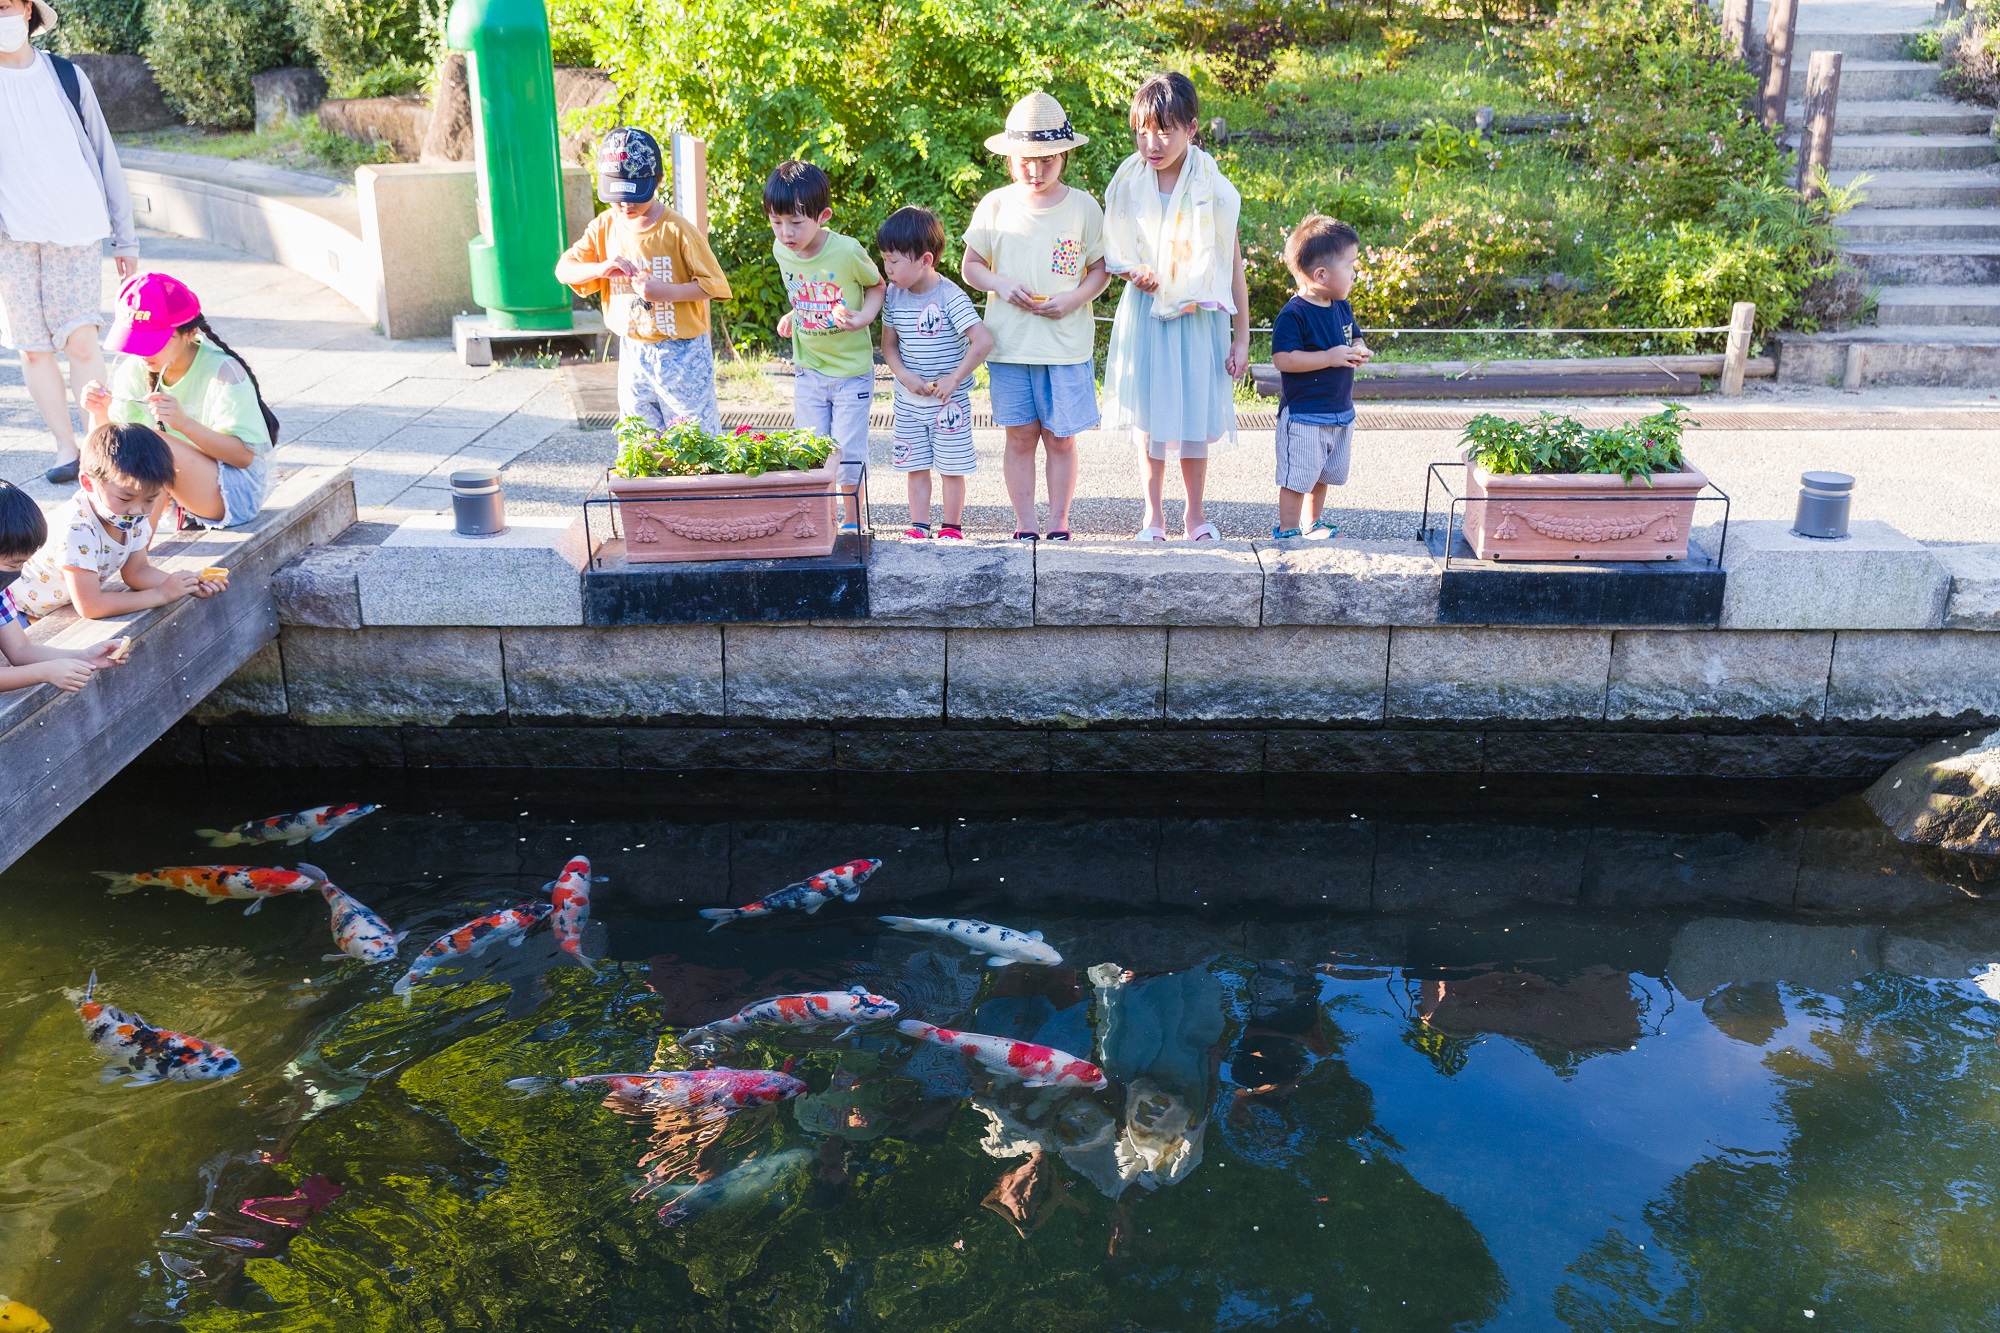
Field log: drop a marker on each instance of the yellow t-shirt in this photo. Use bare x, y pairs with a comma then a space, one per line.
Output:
671, 250
1049, 249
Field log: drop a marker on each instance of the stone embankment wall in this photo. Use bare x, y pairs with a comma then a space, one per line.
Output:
1830, 659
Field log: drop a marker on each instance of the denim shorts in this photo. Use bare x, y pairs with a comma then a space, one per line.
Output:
1062, 399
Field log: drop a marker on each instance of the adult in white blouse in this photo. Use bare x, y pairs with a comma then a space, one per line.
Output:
61, 193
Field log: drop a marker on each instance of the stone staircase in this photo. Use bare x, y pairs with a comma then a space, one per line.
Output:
1927, 236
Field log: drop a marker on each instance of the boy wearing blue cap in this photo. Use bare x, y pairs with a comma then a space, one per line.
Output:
656, 275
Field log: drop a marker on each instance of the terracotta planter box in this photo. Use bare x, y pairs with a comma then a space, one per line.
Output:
1579, 516
729, 517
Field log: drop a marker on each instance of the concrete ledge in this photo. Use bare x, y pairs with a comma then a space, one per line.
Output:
320, 588
1349, 583
1295, 674
820, 673
1669, 675
387, 677
1952, 676
426, 574
1517, 674
952, 585
1876, 579
1133, 583
665, 672
1975, 586
1057, 677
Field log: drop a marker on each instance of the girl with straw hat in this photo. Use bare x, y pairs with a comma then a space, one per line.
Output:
1037, 248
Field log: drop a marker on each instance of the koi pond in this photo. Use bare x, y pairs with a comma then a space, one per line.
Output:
1375, 1054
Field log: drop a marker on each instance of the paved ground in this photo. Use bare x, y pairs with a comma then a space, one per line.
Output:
404, 414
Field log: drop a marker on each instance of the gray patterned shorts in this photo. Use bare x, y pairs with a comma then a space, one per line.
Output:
48, 292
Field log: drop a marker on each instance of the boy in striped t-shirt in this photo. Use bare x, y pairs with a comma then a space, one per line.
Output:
932, 340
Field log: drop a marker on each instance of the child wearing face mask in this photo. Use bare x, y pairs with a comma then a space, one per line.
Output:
24, 663
1181, 337
101, 535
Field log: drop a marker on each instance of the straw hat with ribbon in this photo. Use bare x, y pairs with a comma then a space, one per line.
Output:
1036, 127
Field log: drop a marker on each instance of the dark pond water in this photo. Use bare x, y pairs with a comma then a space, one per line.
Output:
1383, 1055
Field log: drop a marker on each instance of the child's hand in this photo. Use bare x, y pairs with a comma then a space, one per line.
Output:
206, 588
1238, 359
618, 266
177, 584
1055, 307
843, 318
946, 387
96, 399
1345, 358
68, 674
1366, 352
785, 325
108, 653
1144, 279
642, 287
1018, 294
167, 410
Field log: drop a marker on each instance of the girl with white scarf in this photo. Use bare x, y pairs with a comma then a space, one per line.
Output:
1181, 337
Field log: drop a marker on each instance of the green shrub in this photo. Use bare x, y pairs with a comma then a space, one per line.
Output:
894, 101
204, 53
109, 27
1454, 268
684, 449
353, 39
1926, 44
397, 76
1552, 443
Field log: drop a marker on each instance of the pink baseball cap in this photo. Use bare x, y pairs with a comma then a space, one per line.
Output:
151, 306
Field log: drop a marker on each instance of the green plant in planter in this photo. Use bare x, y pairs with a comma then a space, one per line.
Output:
1552, 443
684, 449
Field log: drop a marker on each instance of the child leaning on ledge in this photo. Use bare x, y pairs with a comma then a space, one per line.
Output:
932, 340
102, 534
656, 276
23, 530
1316, 345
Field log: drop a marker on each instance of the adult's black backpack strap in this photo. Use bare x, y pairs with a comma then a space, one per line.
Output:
72, 85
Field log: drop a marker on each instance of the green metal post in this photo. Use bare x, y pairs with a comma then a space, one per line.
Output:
517, 161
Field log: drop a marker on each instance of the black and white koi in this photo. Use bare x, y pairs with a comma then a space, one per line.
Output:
357, 932
1003, 946
808, 895
314, 825
142, 1054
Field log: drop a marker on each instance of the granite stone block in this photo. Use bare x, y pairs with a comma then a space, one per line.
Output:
651, 672
1594, 752
1952, 675
806, 749
1303, 863
1372, 752
319, 588
1874, 579
255, 691
952, 585
1349, 583
1506, 675
1131, 583
826, 673
1052, 676
1685, 675
942, 749
391, 677
1156, 751
426, 574
1974, 602
1287, 673
1863, 757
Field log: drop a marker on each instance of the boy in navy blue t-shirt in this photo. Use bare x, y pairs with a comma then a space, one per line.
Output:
1316, 346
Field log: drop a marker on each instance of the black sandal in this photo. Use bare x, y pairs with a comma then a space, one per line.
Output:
1060, 535
1027, 536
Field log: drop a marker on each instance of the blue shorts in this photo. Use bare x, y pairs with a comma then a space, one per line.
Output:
1062, 399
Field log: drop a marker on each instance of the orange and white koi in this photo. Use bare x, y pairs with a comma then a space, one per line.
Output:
679, 1089
808, 895
510, 925
357, 932
217, 883
314, 825
571, 893
1020, 1062
142, 1054
846, 1009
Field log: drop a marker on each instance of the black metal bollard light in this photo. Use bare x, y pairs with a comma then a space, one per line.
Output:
477, 507
1824, 499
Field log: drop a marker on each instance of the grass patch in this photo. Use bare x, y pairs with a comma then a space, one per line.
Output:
296, 147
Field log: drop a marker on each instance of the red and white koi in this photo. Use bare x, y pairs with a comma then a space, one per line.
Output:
1004, 947
679, 1089
314, 825
142, 1054
1020, 1062
846, 1009
571, 893
357, 932
510, 926
217, 883
808, 895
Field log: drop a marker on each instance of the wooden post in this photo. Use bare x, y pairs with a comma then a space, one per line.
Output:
1780, 30
1736, 27
1736, 356
1816, 135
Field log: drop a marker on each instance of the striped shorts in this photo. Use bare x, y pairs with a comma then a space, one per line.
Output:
935, 436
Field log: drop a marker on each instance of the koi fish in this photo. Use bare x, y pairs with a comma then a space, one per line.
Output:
824, 1008
217, 883
572, 908
18, 1318
472, 939
142, 1054
679, 1089
754, 1179
314, 825
1005, 946
357, 932
1020, 1062
808, 895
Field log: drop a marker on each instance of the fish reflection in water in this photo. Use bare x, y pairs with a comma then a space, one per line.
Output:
759, 1178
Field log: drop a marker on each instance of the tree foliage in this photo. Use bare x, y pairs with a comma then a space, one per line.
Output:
204, 53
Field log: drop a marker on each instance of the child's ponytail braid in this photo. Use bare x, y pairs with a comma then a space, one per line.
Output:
208, 333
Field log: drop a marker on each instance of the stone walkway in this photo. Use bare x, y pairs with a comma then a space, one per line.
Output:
405, 414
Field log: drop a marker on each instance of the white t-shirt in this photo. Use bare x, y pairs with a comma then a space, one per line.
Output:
76, 541
48, 192
1050, 249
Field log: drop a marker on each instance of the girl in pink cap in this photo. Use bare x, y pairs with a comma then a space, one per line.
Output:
178, 376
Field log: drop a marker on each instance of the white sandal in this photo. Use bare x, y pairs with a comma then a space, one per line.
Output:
1150, 535
1205, 533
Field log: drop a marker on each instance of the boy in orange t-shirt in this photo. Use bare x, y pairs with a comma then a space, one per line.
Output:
656, 275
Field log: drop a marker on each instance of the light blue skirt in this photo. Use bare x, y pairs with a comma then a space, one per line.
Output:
1167, 379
